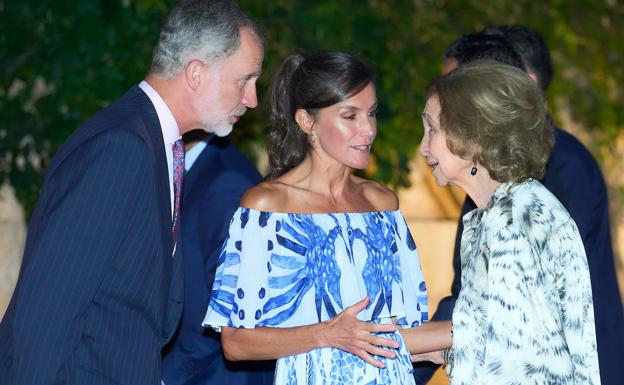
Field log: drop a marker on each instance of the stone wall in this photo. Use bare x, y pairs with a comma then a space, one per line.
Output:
12, 236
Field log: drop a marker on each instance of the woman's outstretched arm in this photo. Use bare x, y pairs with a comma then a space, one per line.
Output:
344, 332
430, 337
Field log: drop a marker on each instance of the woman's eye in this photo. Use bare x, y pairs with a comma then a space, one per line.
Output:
350, 117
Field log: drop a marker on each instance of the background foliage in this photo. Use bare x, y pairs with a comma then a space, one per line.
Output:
63, 60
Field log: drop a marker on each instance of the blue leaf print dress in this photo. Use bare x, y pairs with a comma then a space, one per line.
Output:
286, 270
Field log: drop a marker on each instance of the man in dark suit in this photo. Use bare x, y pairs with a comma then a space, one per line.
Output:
574, 177
217, 178
100, 288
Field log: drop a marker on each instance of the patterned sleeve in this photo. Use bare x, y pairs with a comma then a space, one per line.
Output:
577, 310
241, 278
413, 282
524, 330
509, 261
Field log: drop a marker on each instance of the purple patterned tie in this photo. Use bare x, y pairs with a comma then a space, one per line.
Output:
178, 176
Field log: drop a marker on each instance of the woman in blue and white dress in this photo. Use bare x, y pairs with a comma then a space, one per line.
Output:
319, 269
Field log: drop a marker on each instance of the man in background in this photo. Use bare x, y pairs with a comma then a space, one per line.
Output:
572, 175
217, 176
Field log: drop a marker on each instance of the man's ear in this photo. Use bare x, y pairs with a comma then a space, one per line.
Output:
193, 74
304, 120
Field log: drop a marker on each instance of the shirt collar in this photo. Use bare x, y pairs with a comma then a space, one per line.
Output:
501, 191
473, 218
168, 124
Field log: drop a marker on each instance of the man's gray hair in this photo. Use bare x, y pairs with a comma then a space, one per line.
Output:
205, 30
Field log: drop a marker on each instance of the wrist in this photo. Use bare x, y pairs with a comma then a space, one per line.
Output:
318, 334
447, 356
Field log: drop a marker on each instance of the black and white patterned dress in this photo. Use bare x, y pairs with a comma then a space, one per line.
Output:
525, 313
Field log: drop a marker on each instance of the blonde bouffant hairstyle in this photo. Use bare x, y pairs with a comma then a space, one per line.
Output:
496, 115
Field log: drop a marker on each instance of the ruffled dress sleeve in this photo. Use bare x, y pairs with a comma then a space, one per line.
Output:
284, 270
240, 284
414, 289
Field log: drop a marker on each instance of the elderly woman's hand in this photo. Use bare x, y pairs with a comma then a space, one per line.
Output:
435, 357
348, 333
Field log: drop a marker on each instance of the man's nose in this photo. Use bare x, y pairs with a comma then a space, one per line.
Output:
250, 98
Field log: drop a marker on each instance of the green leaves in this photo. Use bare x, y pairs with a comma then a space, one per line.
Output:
64, 60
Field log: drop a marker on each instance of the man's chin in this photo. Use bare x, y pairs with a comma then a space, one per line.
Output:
225, 131
220, 131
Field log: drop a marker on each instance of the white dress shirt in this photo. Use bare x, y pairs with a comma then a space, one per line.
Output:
169, 127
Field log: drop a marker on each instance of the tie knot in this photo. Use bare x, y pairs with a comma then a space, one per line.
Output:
178, 154
178, 146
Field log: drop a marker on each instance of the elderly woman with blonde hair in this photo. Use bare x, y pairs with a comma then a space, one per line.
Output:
524, 314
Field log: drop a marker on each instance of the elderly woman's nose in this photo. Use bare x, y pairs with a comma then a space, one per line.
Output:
424, 145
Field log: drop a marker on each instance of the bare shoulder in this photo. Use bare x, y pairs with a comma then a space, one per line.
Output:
382, 198
266, 196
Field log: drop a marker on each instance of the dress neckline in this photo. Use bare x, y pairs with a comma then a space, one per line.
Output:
397, 211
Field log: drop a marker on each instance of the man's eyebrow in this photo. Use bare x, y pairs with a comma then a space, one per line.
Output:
254, 74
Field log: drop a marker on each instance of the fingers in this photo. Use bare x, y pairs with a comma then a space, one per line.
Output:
420, 357
417, 357
380, 328
368, 358
352, 335
380, 341
378, 351
434, 357
367, 354
358, 306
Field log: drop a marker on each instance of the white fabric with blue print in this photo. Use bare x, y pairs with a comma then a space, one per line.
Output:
285, 270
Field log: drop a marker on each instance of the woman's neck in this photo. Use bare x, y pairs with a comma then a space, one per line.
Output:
332, 180
480, 187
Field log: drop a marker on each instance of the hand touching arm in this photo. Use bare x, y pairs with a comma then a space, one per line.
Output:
344, 332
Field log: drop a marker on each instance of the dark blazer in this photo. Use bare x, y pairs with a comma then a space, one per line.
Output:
99, 293
573, 176
212, 191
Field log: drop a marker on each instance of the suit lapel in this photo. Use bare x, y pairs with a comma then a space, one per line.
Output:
172, 287
150, 118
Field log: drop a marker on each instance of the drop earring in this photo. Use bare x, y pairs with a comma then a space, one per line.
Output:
312, 138
473, 170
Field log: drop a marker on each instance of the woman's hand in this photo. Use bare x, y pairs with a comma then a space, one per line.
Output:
348, 333
435, 357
